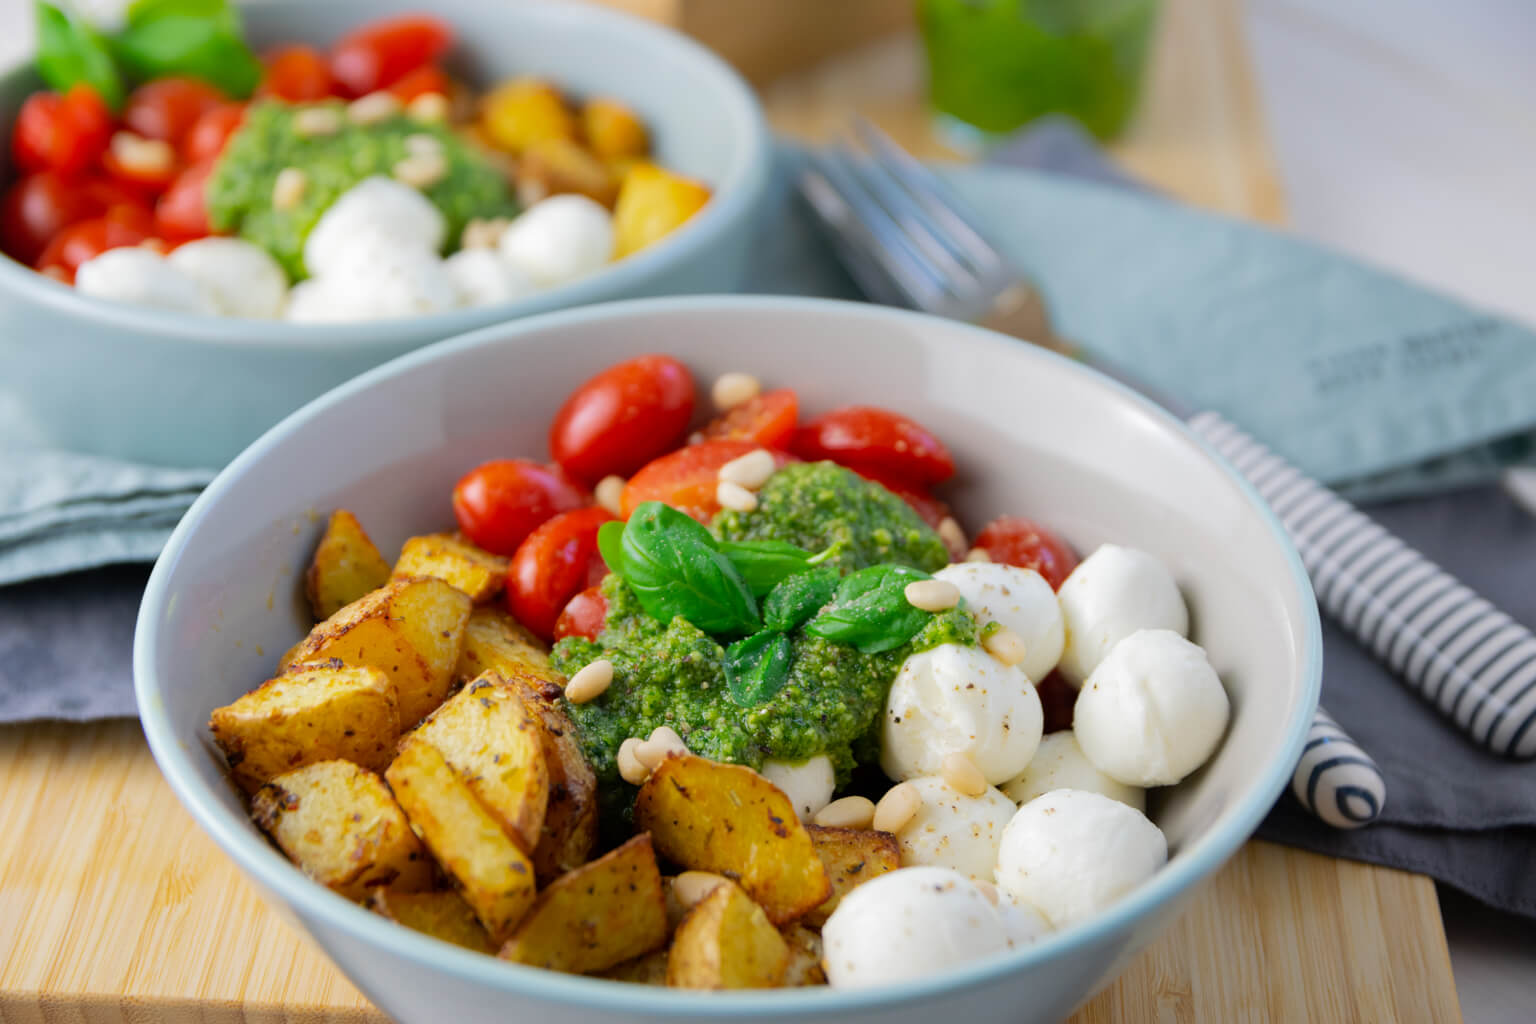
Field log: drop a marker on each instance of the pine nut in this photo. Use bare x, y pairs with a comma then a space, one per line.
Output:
428, 107
420, 143
1004, 644
988, 890
630, 768
690, 887
373, 108
609, 493
735, 497
899, 806
421, 170
142, 157
483, 232
590, 682
663, 741
961, 775
732, 389
288, 188
978, 555
952, 535
751, 470
849, 812
313, 121
932, 595
55, 272
158, 246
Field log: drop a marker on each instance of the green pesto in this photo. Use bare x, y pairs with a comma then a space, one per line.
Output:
816, 504
240, 190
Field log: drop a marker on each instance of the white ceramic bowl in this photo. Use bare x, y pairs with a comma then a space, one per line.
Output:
1033, 434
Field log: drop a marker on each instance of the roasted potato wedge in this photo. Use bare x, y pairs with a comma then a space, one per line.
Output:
853, 856
493, 874
597, 916
346, 566
441, 914
727, 941
493, 640
652, 204
319, 712
570, 820
552, 167
650, 969
496, 745
613, 130
341, 826
455, 561
804, 957
411, 629
729, 819
523, 111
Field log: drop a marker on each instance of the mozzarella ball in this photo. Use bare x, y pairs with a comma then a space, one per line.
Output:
484, 278
808, 784
907, 924
1113, 593
243, 279
1019, 599
1061, 764
1070, 854
374, 277
310, 302
378, 206
954, 699
144, 278
1153, 711
956, 831
1022, 923
559, 240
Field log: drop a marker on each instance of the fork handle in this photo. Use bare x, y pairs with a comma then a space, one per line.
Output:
1474, 664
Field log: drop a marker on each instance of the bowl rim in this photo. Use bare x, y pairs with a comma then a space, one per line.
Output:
273, 872
733, 200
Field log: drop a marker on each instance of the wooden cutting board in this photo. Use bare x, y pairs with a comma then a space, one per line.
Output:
115, 907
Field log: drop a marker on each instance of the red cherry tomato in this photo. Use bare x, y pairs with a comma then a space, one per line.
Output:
555, 562
863, 437
1015, 541
208, 135
167, 108
296, 74
687, 478
930, 509
382, 52
623, 418
768, 419
425, 79
64, 133
39, 206
119, 226
1057, 699
181, 214
584, 615
498, 504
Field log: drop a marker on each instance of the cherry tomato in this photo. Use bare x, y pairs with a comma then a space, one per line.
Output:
498, 504
768, 419
687, 478
554, 563
930, 509
181, 214
583, 615
863, 437
167, 108
623, 418
425, 79
39, 206
64, 133
1015, 541
119, 226
296, 74
1057, 699
208, 135
382, 52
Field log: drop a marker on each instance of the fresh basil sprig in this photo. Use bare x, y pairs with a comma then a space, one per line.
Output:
764, 564
757, 668
870, 611
798, 597
200, 38
70, 52
674, 567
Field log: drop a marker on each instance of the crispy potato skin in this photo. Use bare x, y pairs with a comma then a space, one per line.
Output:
494, 641
650, 969
597, 916
494, 876
346, 566
570, 820
441, 914
319, 712
613, 130
555, 166
730, 820
853, 856
455, 561
804, 957
339, 823
411, 629
726, 942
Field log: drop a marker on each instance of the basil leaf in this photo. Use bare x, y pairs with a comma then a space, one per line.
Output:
870, 610
610, 544
764, 563
758, 667
671, 563
71, 52
799, 597
200, 38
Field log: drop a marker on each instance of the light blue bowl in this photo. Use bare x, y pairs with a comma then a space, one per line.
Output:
1034, 435
181, 390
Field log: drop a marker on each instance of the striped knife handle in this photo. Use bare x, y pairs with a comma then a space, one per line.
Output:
1470, 661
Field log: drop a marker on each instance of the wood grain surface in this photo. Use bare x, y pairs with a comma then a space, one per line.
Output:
115, 907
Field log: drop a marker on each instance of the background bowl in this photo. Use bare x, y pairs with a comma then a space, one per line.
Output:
176, 389
1033, 434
